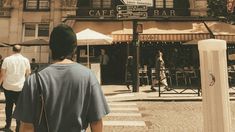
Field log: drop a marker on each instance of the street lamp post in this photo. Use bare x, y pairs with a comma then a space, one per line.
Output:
135, 43
134, 12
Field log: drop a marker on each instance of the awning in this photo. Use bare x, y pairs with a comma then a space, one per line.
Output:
121, 31
222, 31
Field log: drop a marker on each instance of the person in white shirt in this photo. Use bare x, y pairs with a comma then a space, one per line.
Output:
13, 72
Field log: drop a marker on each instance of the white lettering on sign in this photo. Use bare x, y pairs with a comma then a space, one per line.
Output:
139, 2
98, 13
164, 13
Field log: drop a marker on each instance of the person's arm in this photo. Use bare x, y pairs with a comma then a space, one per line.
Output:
27, 73
26, 127
28, 70
2, 75
97, 126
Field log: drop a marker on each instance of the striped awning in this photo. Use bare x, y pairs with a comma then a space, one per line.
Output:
160, 37
121, 31
228, 38
165, 31
222, 31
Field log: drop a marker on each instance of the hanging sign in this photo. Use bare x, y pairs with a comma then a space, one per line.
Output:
138, 2
132, 12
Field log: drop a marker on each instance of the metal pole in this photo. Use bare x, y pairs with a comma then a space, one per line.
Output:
159, 75
40, 53
135, 44
88, 56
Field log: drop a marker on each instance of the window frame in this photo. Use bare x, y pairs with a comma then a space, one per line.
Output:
38, 6
164, 4
36, 30
98, 6
43, 26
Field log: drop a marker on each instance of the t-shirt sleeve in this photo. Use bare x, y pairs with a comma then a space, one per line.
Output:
25, 106
98, 106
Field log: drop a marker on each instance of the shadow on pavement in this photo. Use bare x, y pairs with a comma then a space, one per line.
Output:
118, 92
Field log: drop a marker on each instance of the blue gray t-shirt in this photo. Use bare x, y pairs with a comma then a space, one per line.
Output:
72, 94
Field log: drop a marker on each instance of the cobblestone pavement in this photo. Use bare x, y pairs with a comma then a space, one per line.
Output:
170, 113
146, 112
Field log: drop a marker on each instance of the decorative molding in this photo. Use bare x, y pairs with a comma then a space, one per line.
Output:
7, 3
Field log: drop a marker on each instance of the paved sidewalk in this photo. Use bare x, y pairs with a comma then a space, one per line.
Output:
146, 94
145, 111
168, 113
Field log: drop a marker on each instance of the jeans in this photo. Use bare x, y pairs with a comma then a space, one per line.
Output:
11, 98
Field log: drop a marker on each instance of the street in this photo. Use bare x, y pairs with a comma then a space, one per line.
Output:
132, 113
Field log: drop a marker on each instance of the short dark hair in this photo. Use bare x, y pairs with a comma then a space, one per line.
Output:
33, 60
63, 42
16, 48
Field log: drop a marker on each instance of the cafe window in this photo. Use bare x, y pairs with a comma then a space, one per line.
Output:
37, 4
43, 30
106, 3
95, 3
30, 30
36, 30
101, 3
164, 3
181, 4
84, 3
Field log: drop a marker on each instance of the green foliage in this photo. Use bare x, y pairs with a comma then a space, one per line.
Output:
217, 8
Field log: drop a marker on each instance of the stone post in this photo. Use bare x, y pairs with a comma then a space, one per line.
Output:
214, 80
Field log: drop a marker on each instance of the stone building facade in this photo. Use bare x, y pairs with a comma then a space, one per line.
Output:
22, 20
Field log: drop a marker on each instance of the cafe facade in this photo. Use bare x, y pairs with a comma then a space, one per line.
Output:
168, 25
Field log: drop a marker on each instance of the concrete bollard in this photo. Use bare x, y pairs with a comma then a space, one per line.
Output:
214, 80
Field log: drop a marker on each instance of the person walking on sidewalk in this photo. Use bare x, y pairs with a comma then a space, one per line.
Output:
73, 97
13, 72
129, 71
104, 61
160, 73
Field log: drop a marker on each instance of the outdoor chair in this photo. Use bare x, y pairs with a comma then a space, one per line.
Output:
180, 76
143, 75
191, 76
153, 74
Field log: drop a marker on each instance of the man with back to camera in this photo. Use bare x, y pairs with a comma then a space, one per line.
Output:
13, 72
72, 94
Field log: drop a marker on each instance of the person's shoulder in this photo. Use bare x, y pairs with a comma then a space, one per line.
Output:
31, 78
25, 58
81, 68
7, 58
73, 66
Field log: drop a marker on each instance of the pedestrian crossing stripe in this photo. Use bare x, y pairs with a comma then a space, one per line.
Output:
124, 109
124, 123
125, 114
2, 115
3, 123
122, 104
